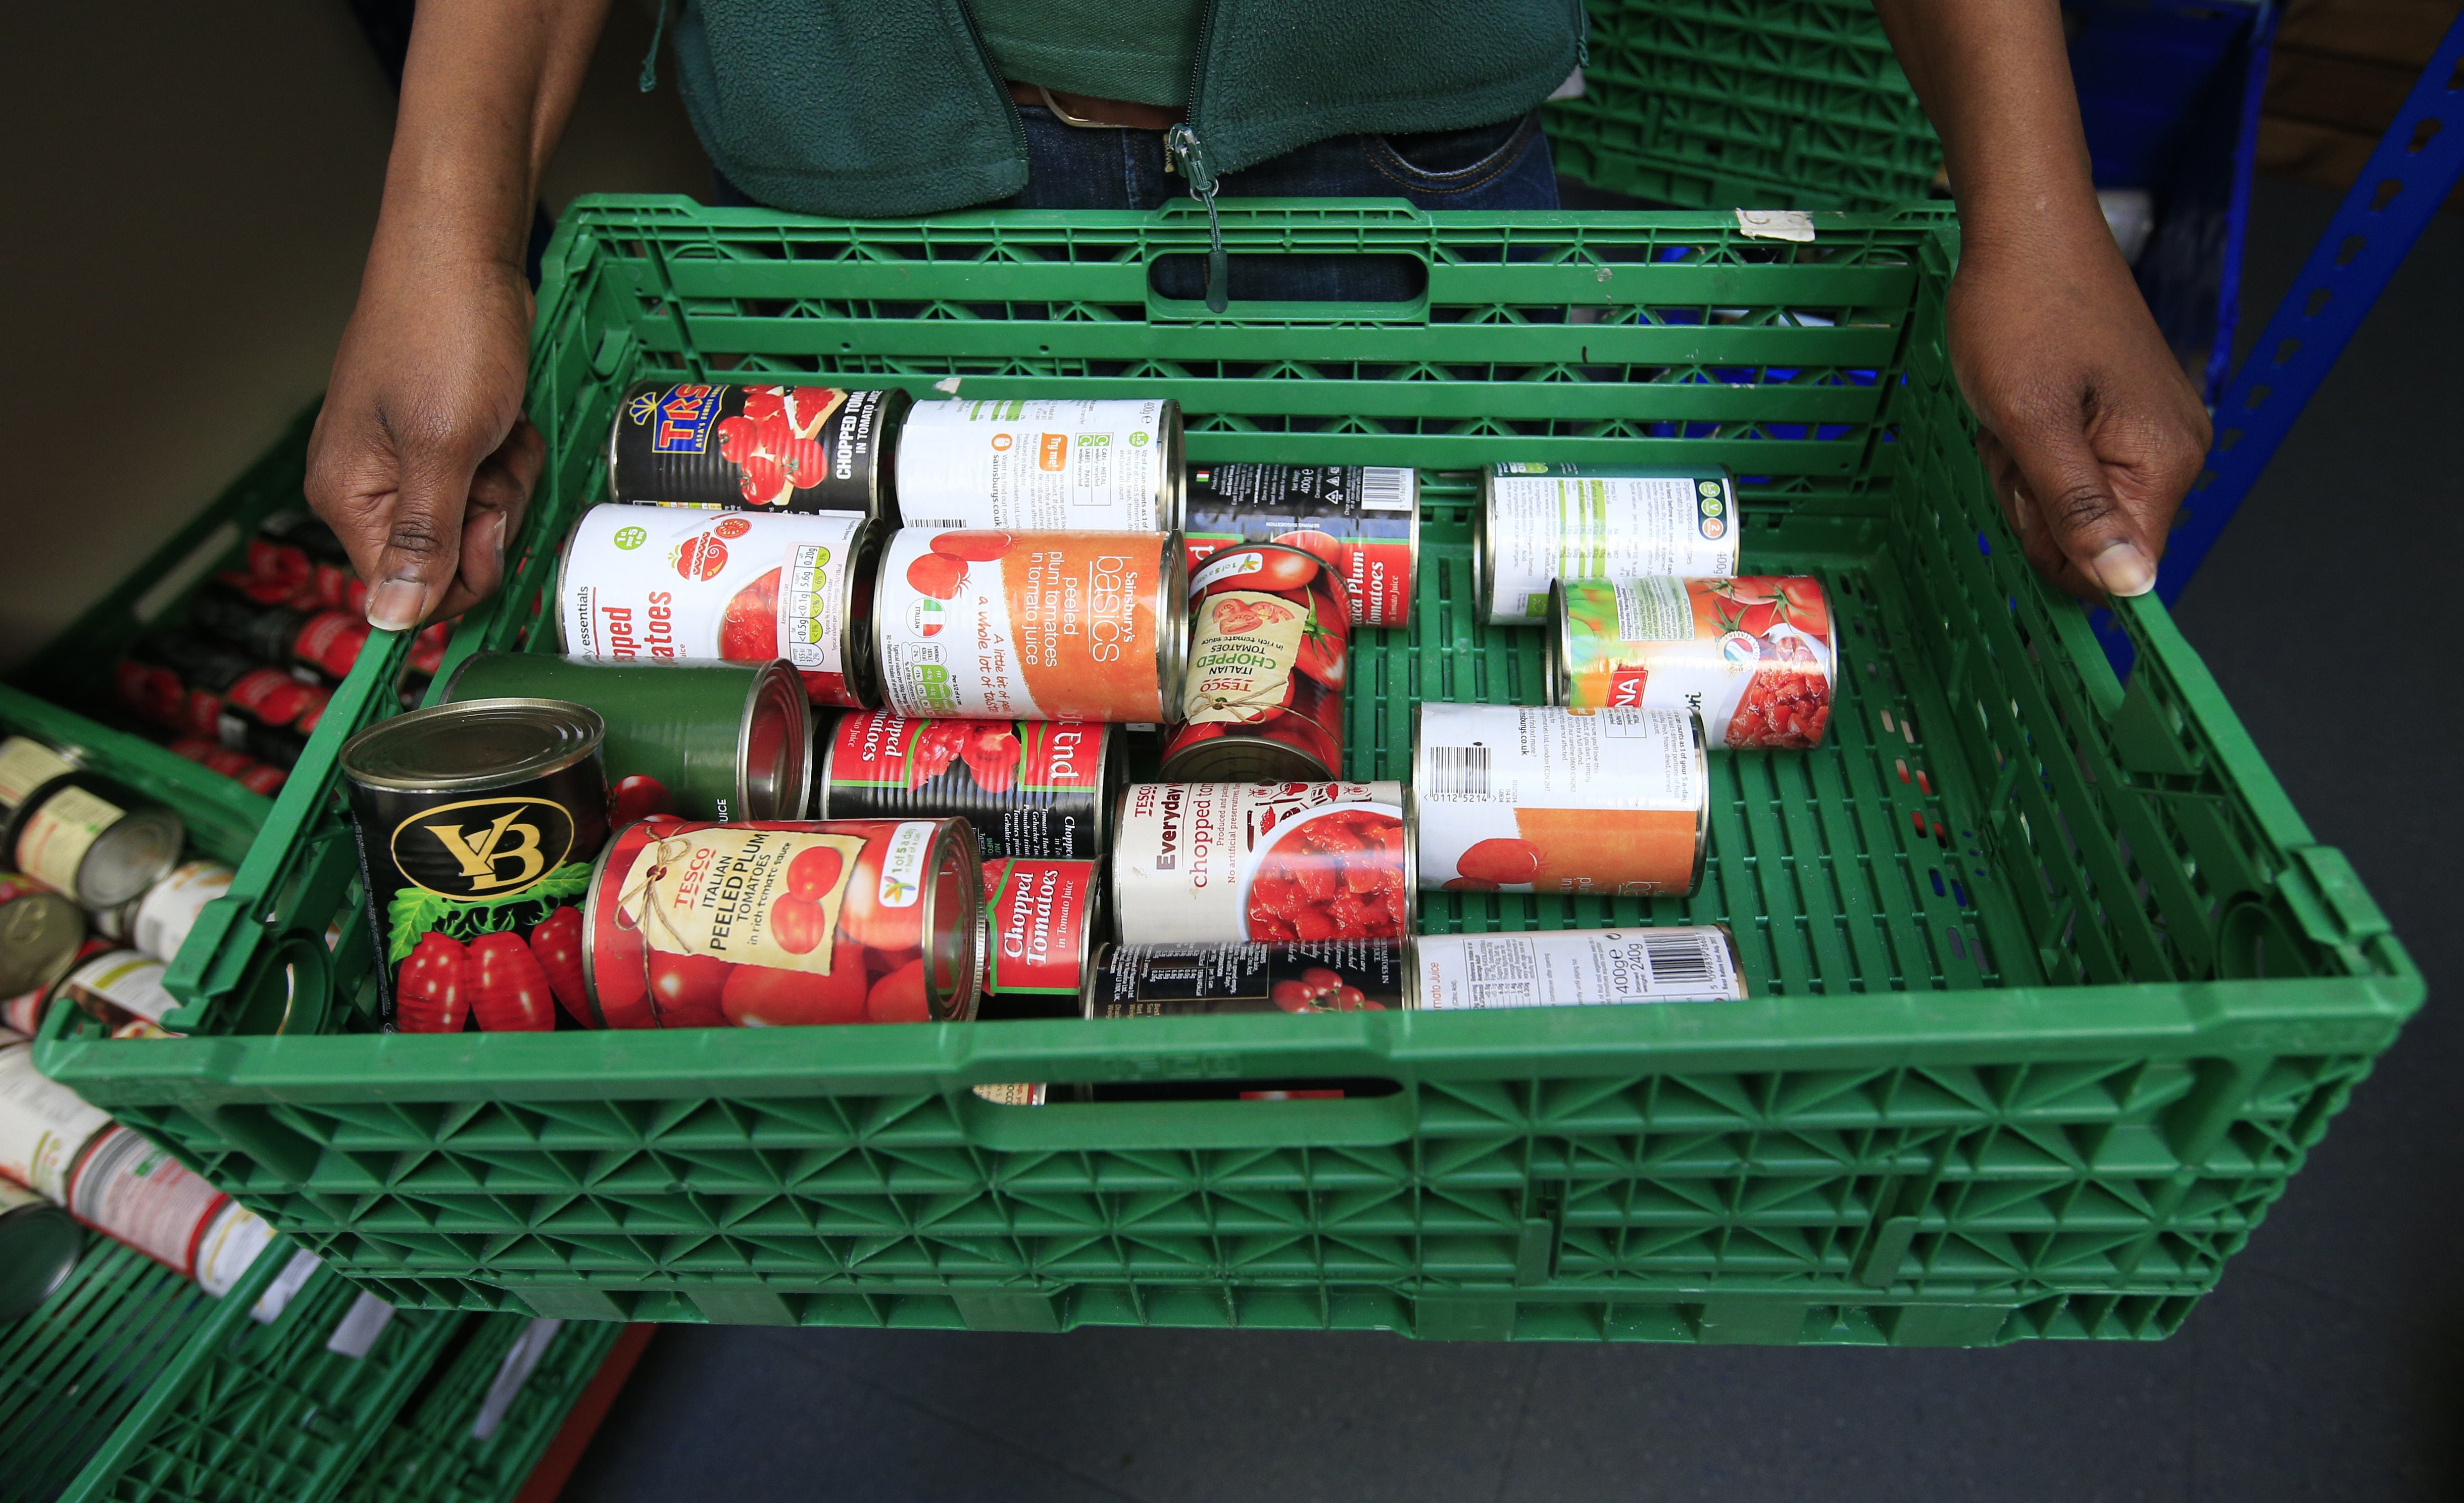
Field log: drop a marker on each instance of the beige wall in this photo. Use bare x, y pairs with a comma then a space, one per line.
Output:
194, 188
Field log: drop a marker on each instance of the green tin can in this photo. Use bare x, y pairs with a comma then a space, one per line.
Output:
718, 741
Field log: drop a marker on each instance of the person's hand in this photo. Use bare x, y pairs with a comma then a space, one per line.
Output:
2088, 428
421, 461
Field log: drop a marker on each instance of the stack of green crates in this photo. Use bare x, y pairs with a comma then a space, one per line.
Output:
436, 1451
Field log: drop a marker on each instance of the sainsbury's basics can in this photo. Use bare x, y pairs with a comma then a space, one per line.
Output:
768, 447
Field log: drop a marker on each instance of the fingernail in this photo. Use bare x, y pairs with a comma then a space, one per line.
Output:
491, 536
2124, 570
394, 605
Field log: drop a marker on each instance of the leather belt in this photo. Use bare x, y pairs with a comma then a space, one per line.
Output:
1087, 111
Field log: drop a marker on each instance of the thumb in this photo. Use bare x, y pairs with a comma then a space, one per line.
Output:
2063, 482
423, 541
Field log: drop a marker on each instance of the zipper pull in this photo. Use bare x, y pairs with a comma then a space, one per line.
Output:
1582, 35
1182, 142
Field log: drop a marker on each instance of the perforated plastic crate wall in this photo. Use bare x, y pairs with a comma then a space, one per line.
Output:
430, 1455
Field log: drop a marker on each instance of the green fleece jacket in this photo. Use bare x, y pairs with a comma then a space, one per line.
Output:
876, 107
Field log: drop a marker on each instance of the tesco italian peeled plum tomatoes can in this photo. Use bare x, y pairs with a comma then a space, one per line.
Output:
1262, 699
700, 739
1033, 789
478, 823
1039, 925
79, 833
773, 924
784, 448
1224, 863
1365, 521
660, 582
1509, 798
1539, 523
1575, 967
1042, 466
1003, 625
1752, 656
1188, 980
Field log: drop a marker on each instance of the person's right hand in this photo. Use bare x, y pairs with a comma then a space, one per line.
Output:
421, 461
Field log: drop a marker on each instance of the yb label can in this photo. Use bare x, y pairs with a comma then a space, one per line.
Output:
1539, 523
1042, 466
1225, 862
1752, 656
782, 449
79, 834
1033, 625
1189, 980
1365, 522
1517, 799
1575, 967
659, 584
1039, 924
1264, 695
1038, 790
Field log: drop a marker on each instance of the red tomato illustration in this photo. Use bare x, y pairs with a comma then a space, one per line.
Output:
814, 872
809, 407
796, 923
431, 994
736, 439
749, 630
687, 988
733, 526
637, 797
699, 557
764, 402
803, 462
937, 575
511, 990
556, 943
992, 751
899, 997
1322, 544
1275, 571
976, 547
762, 996
1504, 861
764, 481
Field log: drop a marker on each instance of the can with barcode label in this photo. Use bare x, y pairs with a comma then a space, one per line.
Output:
1039, 789
39, 933
1365, 522
1041, 464
1193, 980
1575, 967
1270, 644
659, 584
1518, 798
80, 833
1040, 920
772, 448
1539, 523
1752, 656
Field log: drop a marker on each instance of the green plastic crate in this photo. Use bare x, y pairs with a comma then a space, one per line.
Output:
2051, 989
1745, 104
430, 1453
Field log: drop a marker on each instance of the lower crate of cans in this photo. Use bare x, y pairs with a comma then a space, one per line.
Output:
2048, 990
489, 1407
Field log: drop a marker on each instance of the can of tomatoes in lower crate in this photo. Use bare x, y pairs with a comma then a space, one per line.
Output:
784, 923
699, 739
1752, 656
658, 582
38, 1247
477, 825
1188, 980
1363, 521
1033, 625
1040, 922
119, 986
1041, 465
1539, 523
134, 1192
1516, 798
80, 833
784, 448
44, 1127
157, 923
1262, 700
1039, 789
1575, 967
39, 933
1226, 863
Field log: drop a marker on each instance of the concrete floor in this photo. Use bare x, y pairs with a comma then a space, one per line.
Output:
2326, 1365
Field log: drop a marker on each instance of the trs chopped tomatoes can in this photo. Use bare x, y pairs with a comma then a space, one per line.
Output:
1041, 464
765, 448
1363, 521
1575, 967
79, 833
1225, 862
1539, 523
659, 584
1033, 625
1038, 790
1514, 798
769, 925
1039, 924
1752, 656
698, 739
1185, 980
477, 825
1262, 699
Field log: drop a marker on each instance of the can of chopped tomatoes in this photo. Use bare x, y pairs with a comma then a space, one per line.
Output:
477, 825
1575, 967
1262, 700
1752, 656
44, 1128
1225, 862
1519, 798
139, 1196
658, 583
39, 931
1188, 980
328, 641
1040, 922
784, 923
1539, 523
1041, 790
258, 777
1041, 465
79, 833
1033, 625
777, 448
39, 1248
1363, 521
695, 738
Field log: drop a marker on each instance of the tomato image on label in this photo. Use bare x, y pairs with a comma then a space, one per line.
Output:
1264, 696
769, 448
1752, 656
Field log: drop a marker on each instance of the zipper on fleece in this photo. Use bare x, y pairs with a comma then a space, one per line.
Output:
1582, 35
1181, 143
1001, 85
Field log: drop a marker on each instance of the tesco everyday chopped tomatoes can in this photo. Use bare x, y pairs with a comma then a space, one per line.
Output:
755, 447
1041, 464
1228, 862
663, 582
1539, 523
1752, 656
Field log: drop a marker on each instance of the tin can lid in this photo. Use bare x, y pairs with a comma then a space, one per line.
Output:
477, 744
38, 1246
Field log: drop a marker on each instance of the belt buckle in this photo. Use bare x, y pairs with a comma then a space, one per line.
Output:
1068, 118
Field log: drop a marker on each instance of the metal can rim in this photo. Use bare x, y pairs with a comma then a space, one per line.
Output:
586, 721
1172, 627
776, 680
1556, 662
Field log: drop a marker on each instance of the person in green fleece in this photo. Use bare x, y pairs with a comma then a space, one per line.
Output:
422, 462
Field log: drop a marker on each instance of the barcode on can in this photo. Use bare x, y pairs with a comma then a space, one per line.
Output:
1386, 489
1680, 962
943, 524
1457, 775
